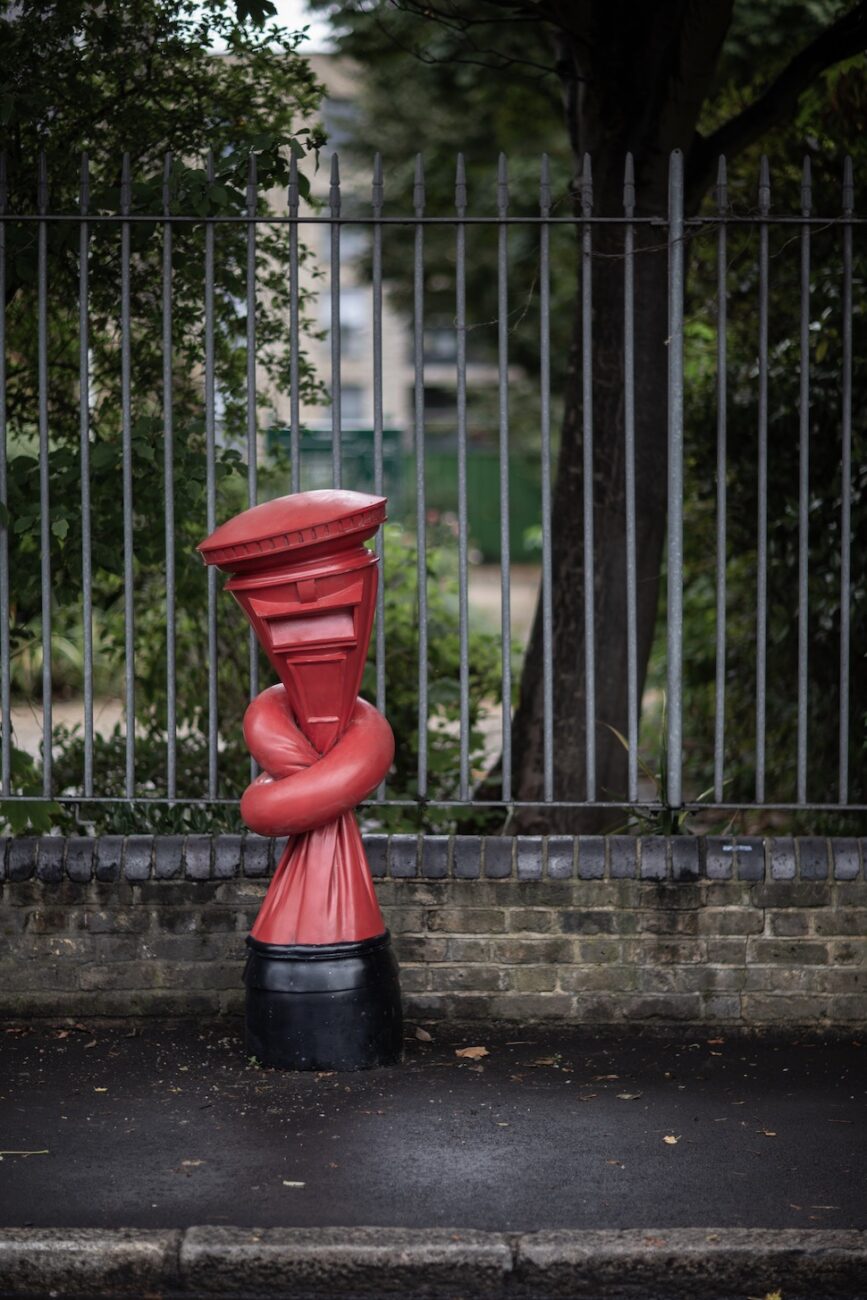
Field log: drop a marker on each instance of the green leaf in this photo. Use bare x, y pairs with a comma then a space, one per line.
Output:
256, 12
60, 528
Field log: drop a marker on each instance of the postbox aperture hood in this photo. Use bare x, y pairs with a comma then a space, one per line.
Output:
307, 583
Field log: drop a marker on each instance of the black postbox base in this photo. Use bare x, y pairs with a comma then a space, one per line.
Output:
323, 1006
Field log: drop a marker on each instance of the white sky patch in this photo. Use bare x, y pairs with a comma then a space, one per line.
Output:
294, 14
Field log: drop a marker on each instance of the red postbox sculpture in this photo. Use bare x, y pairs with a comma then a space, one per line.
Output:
322, 988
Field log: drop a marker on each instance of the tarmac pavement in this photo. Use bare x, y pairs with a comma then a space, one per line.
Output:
611, 1144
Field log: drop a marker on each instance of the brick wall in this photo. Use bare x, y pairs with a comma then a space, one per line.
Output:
604, 931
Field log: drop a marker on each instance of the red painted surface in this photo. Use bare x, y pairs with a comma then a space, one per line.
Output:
307, 583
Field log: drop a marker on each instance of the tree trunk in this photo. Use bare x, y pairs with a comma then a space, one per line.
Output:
634, 79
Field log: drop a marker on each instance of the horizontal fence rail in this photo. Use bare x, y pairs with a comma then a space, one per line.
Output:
397, 281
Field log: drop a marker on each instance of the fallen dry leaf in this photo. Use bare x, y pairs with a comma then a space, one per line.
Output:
288, 1183
192, 1164
670, 1139
103, 1090
768, 1132
422, 1035
472, 1053
24, 1153
604, 1078
629, 1096
92, 1043
619, 1163
545, 1060
587, 1096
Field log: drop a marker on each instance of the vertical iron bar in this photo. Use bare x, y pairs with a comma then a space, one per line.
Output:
211, 489
377, 194
420, 506
674, 792
5, 664
126, 433
169, 492
503, 403
252, 449
721, 481
629, 473
44, 496
587, 475
846, 480
294, 331
804, 485
762, 519
334, 200
463, 574
84, 444
545, 414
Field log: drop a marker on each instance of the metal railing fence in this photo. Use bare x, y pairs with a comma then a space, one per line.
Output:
675, 229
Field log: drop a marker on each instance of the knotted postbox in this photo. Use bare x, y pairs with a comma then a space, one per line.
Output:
322, 984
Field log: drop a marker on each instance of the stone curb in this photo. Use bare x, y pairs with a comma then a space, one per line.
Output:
312, 1264
676, 859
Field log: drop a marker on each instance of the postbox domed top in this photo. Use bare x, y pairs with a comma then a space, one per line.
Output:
301, 525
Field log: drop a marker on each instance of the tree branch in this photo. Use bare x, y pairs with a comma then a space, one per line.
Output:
842, 40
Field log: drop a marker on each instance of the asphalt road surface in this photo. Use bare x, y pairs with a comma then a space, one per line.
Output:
169, 1127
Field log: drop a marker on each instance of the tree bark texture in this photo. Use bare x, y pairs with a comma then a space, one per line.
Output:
634, 79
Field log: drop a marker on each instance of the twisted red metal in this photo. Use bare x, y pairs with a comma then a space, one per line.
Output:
307, 583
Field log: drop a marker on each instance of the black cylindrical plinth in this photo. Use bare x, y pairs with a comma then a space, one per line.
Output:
323, 1006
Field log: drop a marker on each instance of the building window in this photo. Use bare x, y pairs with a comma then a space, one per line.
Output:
354, 320
351, 403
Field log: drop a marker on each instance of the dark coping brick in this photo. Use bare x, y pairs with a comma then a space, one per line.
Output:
718, 858
79, 857
561, 857
4, 845
813, 859
227, 857
279, 847
256, 851
467, 857
654, 851
529, 857
863, 845
168, 857
109, 854
376, 848
404, 856
498, 856
49, 859
622, 857
591, 857
685, 858
750, 852
197, 857
435, 857
21, 858
782, 856
847, 860
138, 851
